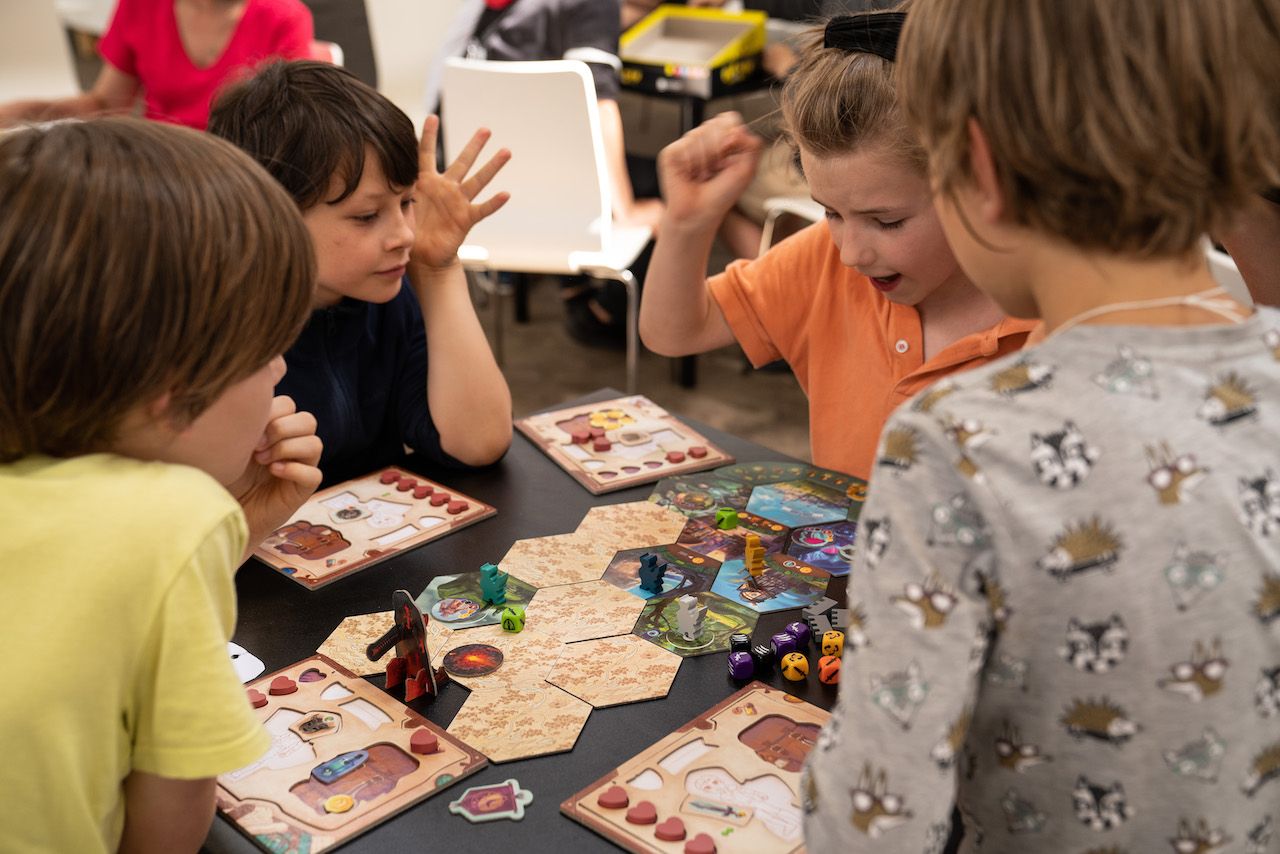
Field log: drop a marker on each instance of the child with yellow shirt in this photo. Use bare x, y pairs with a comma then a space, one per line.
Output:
150, 277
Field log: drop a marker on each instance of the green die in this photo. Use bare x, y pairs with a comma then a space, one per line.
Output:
513, 618
726, 518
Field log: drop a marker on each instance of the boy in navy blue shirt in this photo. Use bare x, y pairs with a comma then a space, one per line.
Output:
394, 355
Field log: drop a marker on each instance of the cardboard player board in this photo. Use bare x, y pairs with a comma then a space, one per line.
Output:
356, 524
620, 443
342, 760
733, 774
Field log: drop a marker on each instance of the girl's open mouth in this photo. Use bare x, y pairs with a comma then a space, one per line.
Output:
884, 284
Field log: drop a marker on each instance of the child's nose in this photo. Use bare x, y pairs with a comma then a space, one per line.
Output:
405, 229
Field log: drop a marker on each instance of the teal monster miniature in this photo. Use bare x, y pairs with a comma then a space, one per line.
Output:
493, 584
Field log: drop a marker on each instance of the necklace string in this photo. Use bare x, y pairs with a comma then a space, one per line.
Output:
1213, 300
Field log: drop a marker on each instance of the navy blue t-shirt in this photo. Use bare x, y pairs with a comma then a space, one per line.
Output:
361, 369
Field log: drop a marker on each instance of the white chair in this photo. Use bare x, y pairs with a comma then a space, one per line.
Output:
778, 206
1226, 273
559, 219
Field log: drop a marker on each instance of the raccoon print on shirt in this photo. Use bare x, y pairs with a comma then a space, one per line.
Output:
1200, 759
1095, 647
1191, 574
1128, 374
1266, 694
1100, 807
900, 694
1260, 503
1064, 458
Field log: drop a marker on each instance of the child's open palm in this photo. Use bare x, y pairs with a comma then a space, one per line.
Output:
282, 473
446, 210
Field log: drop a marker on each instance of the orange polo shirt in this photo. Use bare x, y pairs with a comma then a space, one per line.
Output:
856, 354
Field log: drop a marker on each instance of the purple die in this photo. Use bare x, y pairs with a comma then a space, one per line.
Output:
799, 631
782, 643
741, 666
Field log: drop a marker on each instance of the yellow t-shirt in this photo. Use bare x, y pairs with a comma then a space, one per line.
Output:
117, 600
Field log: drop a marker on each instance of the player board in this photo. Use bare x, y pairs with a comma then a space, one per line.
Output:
356, 524
344, 757
732, 774
620, 443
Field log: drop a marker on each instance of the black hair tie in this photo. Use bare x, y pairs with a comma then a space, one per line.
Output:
869, 32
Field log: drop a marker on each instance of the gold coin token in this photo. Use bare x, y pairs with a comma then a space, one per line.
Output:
339, 803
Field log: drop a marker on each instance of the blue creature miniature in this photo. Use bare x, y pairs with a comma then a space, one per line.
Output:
493, 584
651, 572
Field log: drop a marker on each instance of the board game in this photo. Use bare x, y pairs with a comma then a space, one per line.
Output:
620, 443
726, 781
353, 525
344, 757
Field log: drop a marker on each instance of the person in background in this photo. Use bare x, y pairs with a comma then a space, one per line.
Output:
175, 55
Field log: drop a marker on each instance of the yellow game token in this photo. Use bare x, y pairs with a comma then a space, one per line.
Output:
339, 803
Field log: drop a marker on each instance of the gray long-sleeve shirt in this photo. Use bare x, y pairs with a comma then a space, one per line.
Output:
1069, 576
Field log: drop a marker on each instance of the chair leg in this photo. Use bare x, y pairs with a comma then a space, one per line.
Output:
492, 290
629, 282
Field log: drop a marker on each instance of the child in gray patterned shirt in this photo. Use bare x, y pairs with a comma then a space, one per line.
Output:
1074, 629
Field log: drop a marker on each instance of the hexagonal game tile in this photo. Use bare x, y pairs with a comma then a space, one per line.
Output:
687, 571
579, 612
659, 624
632, 525
785, 583
518, 722
702, 536
797, 503
699, 494
456, 600
764, 471
527, 656
613, 671
828, 547
560, 559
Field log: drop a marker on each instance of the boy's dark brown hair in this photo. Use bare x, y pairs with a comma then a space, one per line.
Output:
307, 122
1127, 126
136, 260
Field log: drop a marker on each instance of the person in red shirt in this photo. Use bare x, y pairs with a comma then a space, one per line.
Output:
176, 54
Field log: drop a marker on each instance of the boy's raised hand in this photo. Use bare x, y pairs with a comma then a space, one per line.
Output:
705, 172
283, 473
445, 208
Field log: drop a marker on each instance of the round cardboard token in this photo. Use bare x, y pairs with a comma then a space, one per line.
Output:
339, 803
472, 659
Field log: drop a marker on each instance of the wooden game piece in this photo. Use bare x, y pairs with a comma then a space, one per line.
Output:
601, 445
424, 742
282, 685
795, 666
422, 490
697, 451
440, 498
829, 670
456, 507
389, 476
700, 844
580, 436
596, 432
339, 803
405, 484
256, 698
670, 830
613, 798
674, 457
493, 584
643, 812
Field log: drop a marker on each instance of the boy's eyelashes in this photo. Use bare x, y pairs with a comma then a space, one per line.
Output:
372, 216
897, 223
886, 225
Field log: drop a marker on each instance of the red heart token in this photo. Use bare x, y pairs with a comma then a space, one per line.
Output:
282, 685
456, 507
671, 830
697, 451
257, 699
643, 813
675, 457
613, 798
700, 844
440, 498
424, 741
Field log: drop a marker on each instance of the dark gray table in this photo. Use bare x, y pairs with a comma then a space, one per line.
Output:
281, 623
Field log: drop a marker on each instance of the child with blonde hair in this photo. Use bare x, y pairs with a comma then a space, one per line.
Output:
869, 307
1072, 629
150, 277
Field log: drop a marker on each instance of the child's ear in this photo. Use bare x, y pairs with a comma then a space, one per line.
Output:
983, 169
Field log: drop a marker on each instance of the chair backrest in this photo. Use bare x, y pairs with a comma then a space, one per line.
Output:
1227, 274
546, 114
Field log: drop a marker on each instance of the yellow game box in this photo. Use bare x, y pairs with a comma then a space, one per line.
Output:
692, 51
